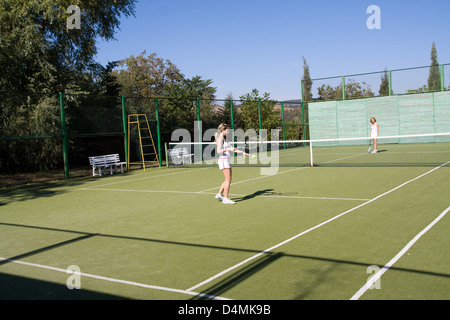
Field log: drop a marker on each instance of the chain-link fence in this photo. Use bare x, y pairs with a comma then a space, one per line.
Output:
60, 133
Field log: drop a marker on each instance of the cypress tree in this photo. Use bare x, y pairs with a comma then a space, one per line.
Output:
434, 78
384, 86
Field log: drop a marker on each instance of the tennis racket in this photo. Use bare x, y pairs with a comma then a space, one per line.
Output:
244, 149
370, 146
245, 153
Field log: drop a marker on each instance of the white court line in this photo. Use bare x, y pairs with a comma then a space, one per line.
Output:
378, 275
311, 229
212, 193
287, 171
131, 283
191, 291
418, 152
147, 177
252, 179
293, 197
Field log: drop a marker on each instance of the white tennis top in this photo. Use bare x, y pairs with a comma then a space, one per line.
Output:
225, 155
374, 132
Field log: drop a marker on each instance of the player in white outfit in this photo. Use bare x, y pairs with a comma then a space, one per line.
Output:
224, 150
375, 130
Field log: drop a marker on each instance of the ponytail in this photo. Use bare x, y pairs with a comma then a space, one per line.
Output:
222, 127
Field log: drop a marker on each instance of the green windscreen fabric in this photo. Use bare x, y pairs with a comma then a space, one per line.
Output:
397, 115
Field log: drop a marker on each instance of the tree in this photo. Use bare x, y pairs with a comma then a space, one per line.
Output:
179, 106
251, 102
40, 55
434, 78
108, 83
327, 92
307, 96
147, 76
384, 86
225, 114
422, 89
307, 82
353, 90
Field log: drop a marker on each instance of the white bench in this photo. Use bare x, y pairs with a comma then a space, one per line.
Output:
106, 161
180, 156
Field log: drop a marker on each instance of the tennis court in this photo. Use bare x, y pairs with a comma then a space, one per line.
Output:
300, 233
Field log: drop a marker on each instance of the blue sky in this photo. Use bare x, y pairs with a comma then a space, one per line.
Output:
258, 44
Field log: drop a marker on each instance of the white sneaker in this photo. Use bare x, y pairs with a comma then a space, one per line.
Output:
374, 151
227, 201
219, 196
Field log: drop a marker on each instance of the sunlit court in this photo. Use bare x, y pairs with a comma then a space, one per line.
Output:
302, 232
224, 158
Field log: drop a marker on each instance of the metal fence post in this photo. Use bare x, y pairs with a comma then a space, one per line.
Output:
64, 135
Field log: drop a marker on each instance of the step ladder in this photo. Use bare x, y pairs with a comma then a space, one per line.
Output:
148, 154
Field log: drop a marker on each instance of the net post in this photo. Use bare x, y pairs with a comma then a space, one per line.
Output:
311, 153
64, 135
167, 158
158, 131
282, 120
125, 131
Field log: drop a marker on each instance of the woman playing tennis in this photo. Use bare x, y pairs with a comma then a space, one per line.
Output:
374, 132
224, 150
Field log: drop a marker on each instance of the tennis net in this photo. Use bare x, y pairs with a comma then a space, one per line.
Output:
400, 150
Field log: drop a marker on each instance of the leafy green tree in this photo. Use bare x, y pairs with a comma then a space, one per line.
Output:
150, 76
179, 105
353, 90
250, 114
327, 92
225, 113
40, 57
422, 89
147, 76
108, 83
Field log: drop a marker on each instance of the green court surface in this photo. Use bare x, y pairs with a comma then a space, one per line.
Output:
299, 233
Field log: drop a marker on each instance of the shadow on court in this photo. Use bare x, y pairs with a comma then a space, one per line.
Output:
22, 288
24, 192
265, 192
254, 194
43, 190
239, 276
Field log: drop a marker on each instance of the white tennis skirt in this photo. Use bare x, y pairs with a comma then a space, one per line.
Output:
224, 163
